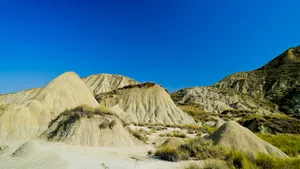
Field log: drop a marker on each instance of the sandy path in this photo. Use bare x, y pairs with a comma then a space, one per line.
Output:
61, 156
113, 158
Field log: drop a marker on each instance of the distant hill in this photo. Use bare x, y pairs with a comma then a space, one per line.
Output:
271, 88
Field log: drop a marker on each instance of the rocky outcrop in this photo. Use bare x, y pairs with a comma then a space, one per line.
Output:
212, 99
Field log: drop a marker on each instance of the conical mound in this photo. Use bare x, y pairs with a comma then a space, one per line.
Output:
30, 148
234, 136
102, 83
89, 127
65, 92
145, 103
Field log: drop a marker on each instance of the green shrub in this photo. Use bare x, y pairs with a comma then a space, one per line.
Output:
238, 159
209, 129
268, 162
289, 144
171, 153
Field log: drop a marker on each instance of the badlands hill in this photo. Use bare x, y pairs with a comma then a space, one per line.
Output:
272, 88
97, 83
144, 103
278, 81
211, 99
20, 123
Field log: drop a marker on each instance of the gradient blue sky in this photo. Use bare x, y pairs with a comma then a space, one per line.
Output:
176, 43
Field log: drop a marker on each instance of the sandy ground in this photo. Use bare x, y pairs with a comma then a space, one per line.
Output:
60, 156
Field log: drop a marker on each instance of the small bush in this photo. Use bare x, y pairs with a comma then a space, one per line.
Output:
105, 124
171, 153
209, 129
139, 136
238, 159
112, 124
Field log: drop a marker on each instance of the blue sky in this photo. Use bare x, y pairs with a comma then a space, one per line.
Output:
176, 43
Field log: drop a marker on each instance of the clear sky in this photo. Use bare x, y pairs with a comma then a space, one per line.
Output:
176, 43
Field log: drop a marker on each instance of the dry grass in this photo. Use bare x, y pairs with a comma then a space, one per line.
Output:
198, 114
174, 134
197, 148
139, 135
171, 153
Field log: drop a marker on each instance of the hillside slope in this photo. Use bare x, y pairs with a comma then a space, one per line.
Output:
269, 89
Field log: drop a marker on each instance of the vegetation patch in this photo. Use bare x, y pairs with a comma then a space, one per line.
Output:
174, 134
197, 112
272, 124
171, 153
202, 149
233, 114
289, 144
197, 148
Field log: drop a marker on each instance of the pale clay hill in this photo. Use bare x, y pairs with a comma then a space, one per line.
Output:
234, 136
144, 103
97, 83
20, 123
